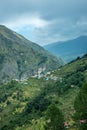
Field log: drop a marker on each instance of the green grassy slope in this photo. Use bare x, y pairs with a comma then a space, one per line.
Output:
23, 104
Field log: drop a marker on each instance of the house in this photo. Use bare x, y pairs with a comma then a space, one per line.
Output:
82, 121
66, 124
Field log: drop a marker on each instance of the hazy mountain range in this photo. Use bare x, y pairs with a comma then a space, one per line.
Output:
69, 50
21, 58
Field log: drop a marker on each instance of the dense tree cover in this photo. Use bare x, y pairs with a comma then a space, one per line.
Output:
55, 119
75, 78
80, 105
39, 104
7, 90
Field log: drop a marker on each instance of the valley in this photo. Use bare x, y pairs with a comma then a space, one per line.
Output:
43, 65
37, 90
23, 105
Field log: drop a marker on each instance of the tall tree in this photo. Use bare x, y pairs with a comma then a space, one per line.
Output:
55, 119
80, 106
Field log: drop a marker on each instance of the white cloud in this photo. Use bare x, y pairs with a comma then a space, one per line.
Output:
45, 21
26, 20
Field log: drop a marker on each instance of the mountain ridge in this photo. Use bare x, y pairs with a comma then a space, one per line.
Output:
69, 50
20, 58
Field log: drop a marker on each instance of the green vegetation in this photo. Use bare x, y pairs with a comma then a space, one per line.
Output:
55, 119
80, 105
32, 104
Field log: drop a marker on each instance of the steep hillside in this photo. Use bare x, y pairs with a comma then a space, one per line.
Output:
20, 58
23, 105
69, 50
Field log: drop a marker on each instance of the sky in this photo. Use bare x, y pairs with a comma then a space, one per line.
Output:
45, 21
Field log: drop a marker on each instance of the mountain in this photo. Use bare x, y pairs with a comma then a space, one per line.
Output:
21, 58
23, 105
69, 50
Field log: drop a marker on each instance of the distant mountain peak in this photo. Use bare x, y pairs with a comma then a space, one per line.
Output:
70, 49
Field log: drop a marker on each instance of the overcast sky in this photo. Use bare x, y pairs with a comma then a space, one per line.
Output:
45, 21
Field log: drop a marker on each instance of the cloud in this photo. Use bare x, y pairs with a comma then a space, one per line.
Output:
49, 9
26, 20
45, 21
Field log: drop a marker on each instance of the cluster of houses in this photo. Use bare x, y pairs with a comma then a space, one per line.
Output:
42, 73
46, 75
